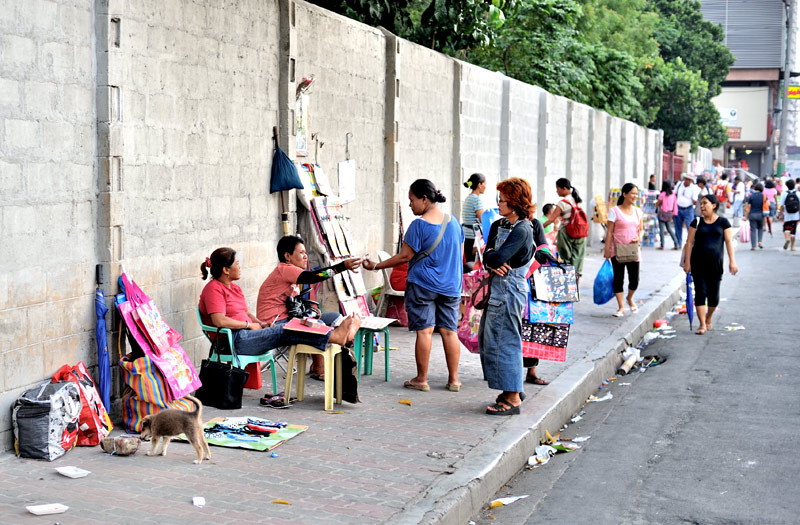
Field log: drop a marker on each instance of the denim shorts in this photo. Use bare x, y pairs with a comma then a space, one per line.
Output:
426, 309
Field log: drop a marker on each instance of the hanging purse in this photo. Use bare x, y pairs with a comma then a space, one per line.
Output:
223, 383
627, 252
480, 297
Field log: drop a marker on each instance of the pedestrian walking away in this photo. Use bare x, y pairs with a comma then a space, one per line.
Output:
790, 203
432, 249
771, 193
738, 199
754, 211
703, 256
471, 215
508, 255
721, 190
686, 194
622, 246
571, 249
666, 210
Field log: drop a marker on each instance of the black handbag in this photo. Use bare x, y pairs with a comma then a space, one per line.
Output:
301, 308
223, 383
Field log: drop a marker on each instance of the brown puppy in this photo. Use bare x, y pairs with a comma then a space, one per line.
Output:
167, 424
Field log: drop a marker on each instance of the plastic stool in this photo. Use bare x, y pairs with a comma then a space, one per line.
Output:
366, 350
332, 357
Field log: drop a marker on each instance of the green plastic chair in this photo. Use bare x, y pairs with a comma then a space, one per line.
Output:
244, 360
363, 348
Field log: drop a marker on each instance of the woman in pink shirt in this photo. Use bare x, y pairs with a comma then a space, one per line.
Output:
666, 209
770, 192
624, 226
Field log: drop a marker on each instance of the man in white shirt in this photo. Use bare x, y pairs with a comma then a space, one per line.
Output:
702, 189
738, 198
686, 196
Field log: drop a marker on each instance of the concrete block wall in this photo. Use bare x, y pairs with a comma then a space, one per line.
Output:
137, 136
425, 122
523, 133
481, 129
348, 96
198, 84
48, 211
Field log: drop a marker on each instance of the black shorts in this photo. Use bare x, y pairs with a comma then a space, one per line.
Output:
790, 226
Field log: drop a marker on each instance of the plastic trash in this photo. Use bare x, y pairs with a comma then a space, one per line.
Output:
505, 501
580, 439
595, 399
199, 501
542, 455
48, 508
72, 472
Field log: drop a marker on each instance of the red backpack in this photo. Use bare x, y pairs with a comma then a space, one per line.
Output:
578, 226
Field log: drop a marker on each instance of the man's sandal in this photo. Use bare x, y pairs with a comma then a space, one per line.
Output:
502, 409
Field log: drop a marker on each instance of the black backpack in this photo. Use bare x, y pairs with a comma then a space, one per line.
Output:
792, 203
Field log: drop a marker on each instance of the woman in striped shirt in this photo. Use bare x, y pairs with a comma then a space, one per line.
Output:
471, 212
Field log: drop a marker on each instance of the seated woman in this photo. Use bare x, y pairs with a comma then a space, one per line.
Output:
222, 304
284, 282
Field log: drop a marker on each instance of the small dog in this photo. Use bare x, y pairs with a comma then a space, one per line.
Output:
161, 428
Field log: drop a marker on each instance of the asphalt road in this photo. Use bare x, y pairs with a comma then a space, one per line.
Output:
708, 437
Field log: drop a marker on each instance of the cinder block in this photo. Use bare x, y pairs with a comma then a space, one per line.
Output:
23, 366
22, 133
182, 294
58, 60
13, 328
26, 287
10, 98
19, 51
59, 138
58, 352
70, 281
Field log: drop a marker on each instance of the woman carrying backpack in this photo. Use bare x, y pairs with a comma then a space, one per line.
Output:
790, 202
571, 238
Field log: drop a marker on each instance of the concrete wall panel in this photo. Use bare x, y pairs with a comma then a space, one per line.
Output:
523, 149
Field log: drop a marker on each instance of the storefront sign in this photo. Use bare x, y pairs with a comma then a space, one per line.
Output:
734, 133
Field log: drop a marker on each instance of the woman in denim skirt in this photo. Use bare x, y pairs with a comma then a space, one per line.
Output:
508, 256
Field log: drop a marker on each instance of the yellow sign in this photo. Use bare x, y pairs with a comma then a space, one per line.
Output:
794, 91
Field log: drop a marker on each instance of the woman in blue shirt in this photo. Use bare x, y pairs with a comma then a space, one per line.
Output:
433, 291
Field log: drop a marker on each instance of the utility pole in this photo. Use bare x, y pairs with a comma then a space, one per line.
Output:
790, 4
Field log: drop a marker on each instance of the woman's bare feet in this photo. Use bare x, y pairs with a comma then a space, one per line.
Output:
701, 330
346, 331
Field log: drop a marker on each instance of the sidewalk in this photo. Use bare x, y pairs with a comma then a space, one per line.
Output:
380, 461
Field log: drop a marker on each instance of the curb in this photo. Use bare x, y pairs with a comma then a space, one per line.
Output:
456, 498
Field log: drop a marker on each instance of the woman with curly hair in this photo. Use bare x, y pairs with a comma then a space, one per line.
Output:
508, 255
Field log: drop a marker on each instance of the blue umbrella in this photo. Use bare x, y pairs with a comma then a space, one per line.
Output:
689, 302
284, 177
103, 362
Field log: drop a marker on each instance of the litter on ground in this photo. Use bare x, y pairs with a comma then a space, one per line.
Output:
505, 501
595, 399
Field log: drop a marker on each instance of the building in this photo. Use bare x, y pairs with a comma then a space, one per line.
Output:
750, 98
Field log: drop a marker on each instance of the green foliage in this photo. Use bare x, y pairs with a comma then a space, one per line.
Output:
656, 62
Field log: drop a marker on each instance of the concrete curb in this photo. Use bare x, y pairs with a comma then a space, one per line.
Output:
456, 498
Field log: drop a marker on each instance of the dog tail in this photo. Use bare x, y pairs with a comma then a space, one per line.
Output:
198, 407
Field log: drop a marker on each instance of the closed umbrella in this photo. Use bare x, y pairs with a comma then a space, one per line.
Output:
284, 177
689, 301
103, 362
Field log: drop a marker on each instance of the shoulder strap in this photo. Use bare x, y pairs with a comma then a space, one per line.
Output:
421, 255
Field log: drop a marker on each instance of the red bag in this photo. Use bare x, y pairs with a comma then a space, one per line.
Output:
93, 421
578, 226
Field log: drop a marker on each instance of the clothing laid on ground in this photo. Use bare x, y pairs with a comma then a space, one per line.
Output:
218, 298
570, 250
283, 283
500, 332
707, 259
440, 271
472, 204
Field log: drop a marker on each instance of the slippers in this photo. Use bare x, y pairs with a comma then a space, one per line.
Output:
536, 380
412, 386
619, 313
452, 388
522, 396
318, 377
274, 402
634, 308
502, 409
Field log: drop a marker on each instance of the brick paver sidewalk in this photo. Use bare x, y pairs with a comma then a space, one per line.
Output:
371, 462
